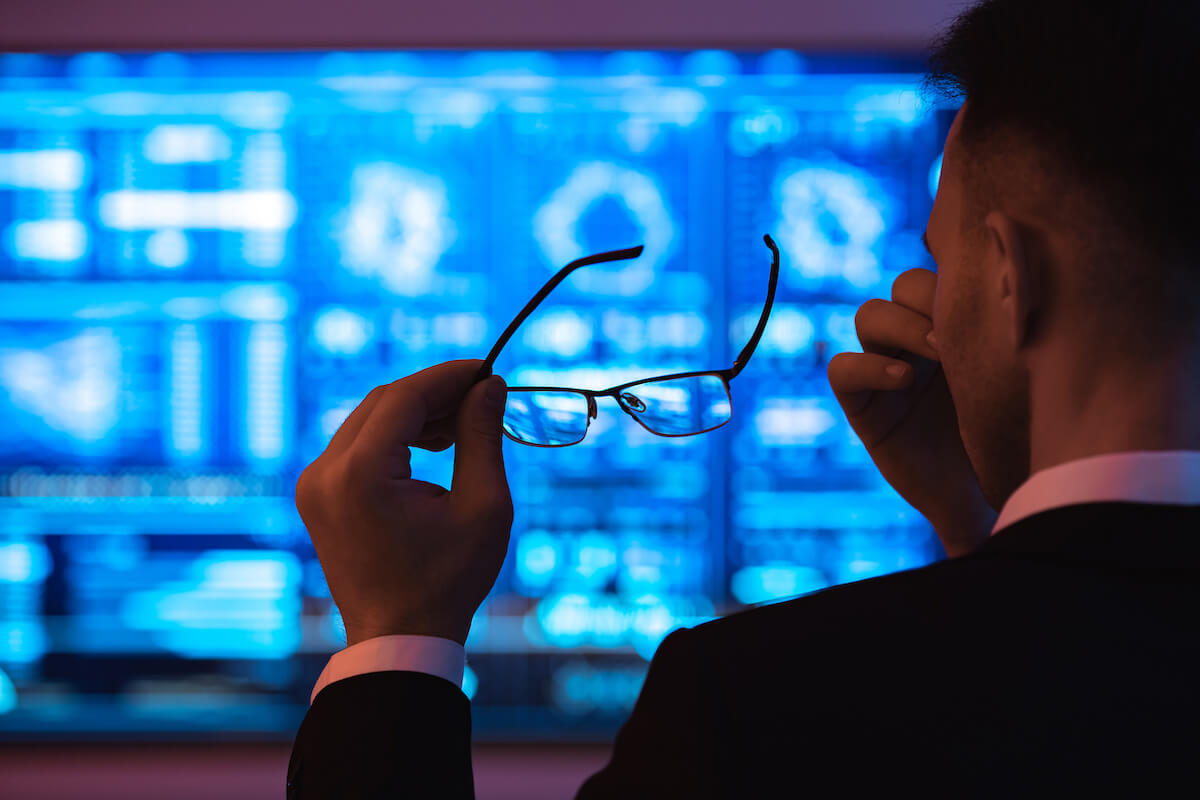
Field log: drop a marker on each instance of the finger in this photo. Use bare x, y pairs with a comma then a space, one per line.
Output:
480, 484
855, 377
888, 328
403, 409
438, 434
346, 431
914, 289
436, 429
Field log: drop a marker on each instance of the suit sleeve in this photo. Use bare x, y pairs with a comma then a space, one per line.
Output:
384, 735
668, 746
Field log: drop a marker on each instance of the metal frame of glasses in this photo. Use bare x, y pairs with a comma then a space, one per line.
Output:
629, 402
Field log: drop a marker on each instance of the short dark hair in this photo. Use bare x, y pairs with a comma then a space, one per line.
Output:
1107, 92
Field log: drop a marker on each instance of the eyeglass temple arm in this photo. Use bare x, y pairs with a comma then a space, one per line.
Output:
598, 258
747, 351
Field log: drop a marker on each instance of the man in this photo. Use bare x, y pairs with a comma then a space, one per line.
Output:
1057, 647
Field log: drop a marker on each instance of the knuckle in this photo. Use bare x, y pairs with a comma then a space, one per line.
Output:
354, 472
309, 487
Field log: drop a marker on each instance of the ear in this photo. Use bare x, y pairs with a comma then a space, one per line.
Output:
1019, 273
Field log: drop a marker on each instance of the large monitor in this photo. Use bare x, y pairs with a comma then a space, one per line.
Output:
207, 260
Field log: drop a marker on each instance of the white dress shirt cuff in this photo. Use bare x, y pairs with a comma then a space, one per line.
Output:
432, 655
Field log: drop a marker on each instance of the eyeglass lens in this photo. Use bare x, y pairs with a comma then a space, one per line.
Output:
674, 407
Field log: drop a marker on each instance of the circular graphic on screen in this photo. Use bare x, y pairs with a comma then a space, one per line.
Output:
832, 215
556, 225
396, 227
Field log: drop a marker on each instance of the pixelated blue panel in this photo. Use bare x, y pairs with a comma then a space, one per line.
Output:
208, 260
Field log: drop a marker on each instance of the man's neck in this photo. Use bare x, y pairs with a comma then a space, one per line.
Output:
1078, 416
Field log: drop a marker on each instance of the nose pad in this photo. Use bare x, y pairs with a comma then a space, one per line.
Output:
633, 401
591, 407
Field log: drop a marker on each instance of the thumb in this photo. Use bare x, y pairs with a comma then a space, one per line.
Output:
479, 479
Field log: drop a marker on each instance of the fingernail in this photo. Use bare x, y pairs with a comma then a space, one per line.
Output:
895, 370
497, 392
929, 337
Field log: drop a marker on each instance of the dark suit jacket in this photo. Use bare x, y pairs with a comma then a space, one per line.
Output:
1063, 654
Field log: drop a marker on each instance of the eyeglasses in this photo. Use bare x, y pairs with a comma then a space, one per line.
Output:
683, 404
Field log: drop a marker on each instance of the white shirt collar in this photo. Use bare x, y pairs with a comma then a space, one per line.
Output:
1143, 476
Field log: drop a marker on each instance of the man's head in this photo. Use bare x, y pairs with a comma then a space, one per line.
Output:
1064, 224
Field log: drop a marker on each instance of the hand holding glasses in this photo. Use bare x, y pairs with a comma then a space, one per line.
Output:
683, 404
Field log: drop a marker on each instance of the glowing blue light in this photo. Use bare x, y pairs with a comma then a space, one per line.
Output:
24, 562
790, 332
186, 398
22, 641
632, 68
565, 620
396, 227
794, 420
832, 219
48, 239
181, 144
528, 71
230, 604
470, 683
332, 419
8, 693
257, 110
341, 331
782, 67
935, 175
227, 209
866, 553
255, 302
597, 558
266, 369
626, 331
681, 106
556, 225
462, 108
167, 66
579, 687
754, 130
572, 620
142, 347
564, 333
752, 585
652, 626
463, 329
711, 67
168, 248
73, 386
682, 329
899, 104
58, 170
369, 72
537, 557
335, 625
95, 68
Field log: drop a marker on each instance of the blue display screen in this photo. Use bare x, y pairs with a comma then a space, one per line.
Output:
207, 260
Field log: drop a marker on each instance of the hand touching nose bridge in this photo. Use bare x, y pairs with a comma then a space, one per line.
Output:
907, 422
